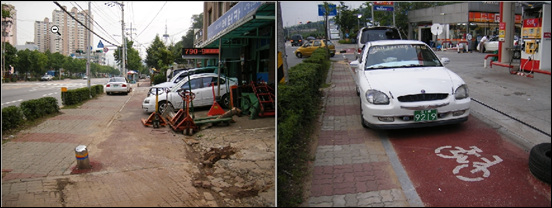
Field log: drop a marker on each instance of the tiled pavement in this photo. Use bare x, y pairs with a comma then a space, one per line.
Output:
352, 167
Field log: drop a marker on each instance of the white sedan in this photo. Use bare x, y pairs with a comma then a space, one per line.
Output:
117, 85
200, 85
492, 44
403, 84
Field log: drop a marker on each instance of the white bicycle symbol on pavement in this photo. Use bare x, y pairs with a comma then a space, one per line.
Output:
461, 156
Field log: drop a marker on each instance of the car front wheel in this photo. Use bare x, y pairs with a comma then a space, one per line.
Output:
299, 55
164, 105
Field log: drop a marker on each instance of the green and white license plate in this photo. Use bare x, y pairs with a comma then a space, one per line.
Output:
425, 115
115, 85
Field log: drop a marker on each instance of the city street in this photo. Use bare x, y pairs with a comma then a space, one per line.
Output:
15, 93
355, 166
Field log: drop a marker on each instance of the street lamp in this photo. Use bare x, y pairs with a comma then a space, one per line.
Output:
358, 21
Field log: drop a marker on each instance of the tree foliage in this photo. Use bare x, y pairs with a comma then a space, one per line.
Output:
134, 61
158, 56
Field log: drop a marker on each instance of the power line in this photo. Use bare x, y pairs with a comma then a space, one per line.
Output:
55, 2
152, 20
88, 15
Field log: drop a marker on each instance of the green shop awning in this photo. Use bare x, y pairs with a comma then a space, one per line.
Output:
238, 21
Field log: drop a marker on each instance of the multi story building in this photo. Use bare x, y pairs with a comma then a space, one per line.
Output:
72, 35
9, 25
43, 35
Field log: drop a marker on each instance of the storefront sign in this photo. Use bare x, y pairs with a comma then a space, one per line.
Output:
488, 17
231, 17
200, 51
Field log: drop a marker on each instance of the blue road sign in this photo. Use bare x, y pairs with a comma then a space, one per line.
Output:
100, 44
332, 12
383, 8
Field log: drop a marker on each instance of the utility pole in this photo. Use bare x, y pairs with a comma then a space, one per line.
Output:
124, 39
88, 47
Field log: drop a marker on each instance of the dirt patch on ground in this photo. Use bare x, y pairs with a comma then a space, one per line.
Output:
237, 161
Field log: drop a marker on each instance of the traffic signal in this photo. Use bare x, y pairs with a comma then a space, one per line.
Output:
98, 51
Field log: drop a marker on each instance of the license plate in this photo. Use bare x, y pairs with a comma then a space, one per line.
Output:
425, 115
115, 85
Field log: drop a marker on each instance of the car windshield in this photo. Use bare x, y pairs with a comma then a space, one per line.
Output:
379, 34
400, 56
117, 79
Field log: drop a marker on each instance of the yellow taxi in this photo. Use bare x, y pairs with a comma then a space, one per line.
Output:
309, 47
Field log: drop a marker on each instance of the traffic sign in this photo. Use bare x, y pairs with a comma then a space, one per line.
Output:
105, 49
383, 8
331, 7
100, 44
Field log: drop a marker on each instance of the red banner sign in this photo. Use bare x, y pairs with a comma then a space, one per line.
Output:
384, 3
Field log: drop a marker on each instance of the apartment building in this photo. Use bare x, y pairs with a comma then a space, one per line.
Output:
9, 25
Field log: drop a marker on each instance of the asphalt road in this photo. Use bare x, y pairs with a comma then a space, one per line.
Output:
15, 93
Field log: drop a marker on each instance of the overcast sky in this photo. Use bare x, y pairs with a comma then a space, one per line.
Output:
294, 12
148, 17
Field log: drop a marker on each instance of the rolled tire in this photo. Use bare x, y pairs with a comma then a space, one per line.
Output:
539, 161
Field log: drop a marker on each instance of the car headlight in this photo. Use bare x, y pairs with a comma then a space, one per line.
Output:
377, 97
461, 92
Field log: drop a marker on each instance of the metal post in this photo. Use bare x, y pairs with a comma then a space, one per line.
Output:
81, 153
373, 20
123, 32
88, 45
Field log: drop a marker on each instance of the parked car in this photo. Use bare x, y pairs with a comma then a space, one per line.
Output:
296, 40
85, 77
117, 85
309, 47
403, 84
311, 38
492, 44
200, 85
175, 79
375, 33
47, 77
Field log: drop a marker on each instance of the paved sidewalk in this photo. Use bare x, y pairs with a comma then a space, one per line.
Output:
130, 168
352, 167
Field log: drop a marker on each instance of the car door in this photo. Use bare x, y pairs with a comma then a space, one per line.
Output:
193, 84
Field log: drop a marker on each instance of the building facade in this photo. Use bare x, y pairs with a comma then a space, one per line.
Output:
42, 35
9, 25
72, 35
459, 20
245, 34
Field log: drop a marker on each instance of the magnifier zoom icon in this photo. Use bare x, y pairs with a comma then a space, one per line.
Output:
55, 29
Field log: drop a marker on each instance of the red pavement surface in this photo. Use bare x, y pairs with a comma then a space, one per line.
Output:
509, 183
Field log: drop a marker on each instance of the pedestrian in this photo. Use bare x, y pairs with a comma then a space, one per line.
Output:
481, 47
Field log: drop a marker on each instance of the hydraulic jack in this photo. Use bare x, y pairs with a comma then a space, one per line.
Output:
182, 121
155, 118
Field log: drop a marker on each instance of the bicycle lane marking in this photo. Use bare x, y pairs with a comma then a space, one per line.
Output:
450, 164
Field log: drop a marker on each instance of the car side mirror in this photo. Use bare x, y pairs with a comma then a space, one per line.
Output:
445, 60
354, 65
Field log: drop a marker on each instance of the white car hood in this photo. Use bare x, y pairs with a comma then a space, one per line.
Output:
405, 81
164, 84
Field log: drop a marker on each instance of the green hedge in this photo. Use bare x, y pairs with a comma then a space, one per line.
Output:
33, 109
30, 110
298, 104
12, 116
76, 96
